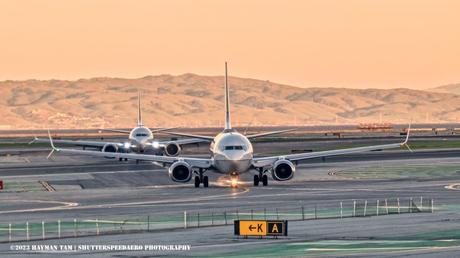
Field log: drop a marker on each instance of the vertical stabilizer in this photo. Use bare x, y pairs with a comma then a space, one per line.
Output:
227, 102
139, 111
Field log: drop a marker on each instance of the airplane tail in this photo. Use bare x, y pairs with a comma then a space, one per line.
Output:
227, 102
139, 111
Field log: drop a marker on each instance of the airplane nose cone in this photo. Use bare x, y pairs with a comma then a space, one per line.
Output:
235, 155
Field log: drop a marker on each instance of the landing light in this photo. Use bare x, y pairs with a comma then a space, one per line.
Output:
127, 145
225, 181
234, 182
155, 145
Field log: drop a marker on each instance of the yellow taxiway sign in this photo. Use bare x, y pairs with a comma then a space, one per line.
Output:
260, 227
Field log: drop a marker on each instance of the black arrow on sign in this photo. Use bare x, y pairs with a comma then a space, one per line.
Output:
251, 227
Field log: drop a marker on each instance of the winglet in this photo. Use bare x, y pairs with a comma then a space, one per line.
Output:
407, 135
33, 140
407, 139
52, 145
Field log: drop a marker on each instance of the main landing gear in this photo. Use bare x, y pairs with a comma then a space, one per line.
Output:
261, 177
200, 178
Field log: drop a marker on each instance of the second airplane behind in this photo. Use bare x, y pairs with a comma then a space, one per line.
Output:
140, 140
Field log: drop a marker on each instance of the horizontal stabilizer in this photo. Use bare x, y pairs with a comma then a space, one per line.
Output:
208, 138
252, 136
116, 131
163, 129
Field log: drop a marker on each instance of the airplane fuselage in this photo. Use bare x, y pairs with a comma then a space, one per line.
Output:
140, 139
232, 153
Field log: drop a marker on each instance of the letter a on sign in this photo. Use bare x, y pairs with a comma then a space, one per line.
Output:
275, 229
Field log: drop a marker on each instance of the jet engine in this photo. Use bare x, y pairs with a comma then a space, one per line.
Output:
172, 149
180, 171
283, 170
110, 148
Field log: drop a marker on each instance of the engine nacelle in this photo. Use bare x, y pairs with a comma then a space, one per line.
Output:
283, 170
180, 171
110, 148
172, 149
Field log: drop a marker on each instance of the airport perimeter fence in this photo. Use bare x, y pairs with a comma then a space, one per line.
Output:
42, 230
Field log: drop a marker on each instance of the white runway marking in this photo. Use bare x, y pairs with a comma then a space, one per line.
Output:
68, 166
62, 206
71, 206
455, 187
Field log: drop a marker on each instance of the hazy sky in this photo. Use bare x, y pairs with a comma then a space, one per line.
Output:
362, 43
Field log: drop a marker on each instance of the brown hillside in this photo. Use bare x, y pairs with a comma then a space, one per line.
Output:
193, 100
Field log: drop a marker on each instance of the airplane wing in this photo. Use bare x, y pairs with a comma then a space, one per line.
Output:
83, 143
162, 160
267, 161
252, 136
100, 144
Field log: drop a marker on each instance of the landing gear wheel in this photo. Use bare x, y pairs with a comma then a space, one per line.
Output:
205, 181
256, 180
264, 180
197, 181
120, 159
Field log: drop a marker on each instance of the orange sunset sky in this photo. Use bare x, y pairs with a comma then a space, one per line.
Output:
357, 44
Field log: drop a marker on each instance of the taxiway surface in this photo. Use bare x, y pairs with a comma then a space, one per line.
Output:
91, 188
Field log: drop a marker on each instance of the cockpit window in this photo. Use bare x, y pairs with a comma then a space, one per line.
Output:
238, 147
141, 135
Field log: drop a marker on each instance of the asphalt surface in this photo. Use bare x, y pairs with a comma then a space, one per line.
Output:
90, 188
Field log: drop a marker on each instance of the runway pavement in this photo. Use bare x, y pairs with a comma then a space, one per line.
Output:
90, 188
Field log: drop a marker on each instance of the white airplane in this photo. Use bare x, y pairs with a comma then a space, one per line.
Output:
140, 140
231, 154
